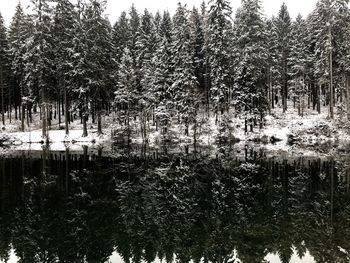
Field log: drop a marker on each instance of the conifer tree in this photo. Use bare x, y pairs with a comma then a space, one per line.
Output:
299, 62
126, 93
250, 62
219, 39
4, 66
282, 27
20, 30
184, 79
98, 56
65, 23
39, 59
120, 36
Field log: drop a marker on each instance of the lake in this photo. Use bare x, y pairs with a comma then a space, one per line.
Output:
137, 204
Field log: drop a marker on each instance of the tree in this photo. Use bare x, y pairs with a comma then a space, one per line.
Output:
65, 23
39, 59
196, 23
19, 32
98, 56
184, 80
219, 39
251, 55
126, 93
120, 36
4, 65
299, 62
146, 45
282, 27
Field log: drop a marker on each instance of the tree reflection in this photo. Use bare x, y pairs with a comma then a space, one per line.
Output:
83, 208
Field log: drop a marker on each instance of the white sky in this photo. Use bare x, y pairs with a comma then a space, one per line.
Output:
114, 7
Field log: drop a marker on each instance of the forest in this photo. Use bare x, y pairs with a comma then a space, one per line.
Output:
65, 61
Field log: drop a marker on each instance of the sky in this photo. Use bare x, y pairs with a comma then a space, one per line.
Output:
115, 7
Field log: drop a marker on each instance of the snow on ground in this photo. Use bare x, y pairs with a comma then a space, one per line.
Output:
310, 130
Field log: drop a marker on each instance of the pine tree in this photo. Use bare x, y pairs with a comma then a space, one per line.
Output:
272, 73
120, 36
126, 94
184, 79
166, 26
299, 62
147, 45
282, 27
39, 59
134, 25
220, 27
19, 32
157, 82
251, 56
80, 87
327, 28
65, 23
197, 44
4, 65
98, 56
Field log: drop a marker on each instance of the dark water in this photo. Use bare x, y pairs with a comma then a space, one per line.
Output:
63, 207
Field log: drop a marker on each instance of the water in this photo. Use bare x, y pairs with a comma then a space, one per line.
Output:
148, 206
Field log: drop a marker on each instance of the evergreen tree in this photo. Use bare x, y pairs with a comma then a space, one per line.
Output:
126, 93
197, 45
250, 62
147, 45
157, 82
98, 57
166, 26
272, 72
120, 36
39, 60
65, 23
299, 62
220, 27
20, 30
184, 79
134, 25
282, 27
4, 66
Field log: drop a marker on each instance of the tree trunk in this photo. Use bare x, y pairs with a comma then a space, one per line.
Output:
99, 123
85, 132
2, 95
331, 96
66, 112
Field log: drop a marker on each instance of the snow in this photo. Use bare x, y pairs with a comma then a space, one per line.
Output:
58, 141
311, 130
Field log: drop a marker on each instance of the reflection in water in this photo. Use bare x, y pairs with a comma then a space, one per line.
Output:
63, 207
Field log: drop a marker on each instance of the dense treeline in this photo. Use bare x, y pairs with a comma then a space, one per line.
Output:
66, 60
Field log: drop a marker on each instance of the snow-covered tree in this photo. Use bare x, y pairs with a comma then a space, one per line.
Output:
65, 22
166, 26
39, 58
157, 81
282, 28
251, 56
120, 36
98, 56
299, 62
4, 65
19, 31
196, 22
219, 40
184, 80
126, 95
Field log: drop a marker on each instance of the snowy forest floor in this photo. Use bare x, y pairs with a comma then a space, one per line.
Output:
281, 132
